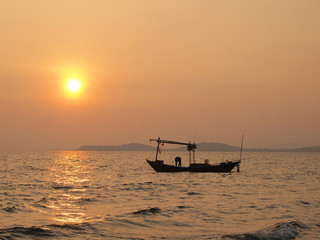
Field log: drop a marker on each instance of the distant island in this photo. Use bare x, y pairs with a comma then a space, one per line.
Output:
124, 147
202, 147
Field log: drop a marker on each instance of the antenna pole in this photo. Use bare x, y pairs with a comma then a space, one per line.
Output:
238, 167
241, 147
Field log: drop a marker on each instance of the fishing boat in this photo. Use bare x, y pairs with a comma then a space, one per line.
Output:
160, 166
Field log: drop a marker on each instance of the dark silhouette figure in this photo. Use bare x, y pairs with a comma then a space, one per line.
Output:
178, 161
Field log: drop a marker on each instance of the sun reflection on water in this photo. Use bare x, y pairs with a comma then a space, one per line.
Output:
70, 176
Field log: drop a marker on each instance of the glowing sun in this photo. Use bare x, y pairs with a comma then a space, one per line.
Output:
73, 85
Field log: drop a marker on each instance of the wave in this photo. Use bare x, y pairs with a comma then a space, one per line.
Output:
194, 193
74, 226
85, 200
53, 230
13, 208
280, 231
144, 186
25, 231
10, 209
62, 187
147, 211
182, 206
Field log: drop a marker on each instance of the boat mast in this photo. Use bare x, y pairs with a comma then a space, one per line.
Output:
192, 147
157, 148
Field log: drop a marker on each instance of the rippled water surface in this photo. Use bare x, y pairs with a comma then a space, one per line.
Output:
116, 195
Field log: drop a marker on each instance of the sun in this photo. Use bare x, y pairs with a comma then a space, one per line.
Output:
73, 85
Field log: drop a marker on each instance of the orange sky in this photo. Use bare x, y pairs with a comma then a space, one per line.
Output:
210, 70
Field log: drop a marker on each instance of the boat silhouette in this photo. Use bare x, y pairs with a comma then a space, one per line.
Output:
160, 166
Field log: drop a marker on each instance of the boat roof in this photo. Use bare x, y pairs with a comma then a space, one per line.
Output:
190, 146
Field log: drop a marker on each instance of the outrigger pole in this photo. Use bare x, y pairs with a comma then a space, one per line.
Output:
190, 146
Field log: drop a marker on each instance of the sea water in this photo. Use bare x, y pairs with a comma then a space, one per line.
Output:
117, 195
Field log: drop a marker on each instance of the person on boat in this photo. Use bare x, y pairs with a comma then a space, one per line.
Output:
178, 161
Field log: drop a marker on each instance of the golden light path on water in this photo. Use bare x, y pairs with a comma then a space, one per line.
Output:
70, 176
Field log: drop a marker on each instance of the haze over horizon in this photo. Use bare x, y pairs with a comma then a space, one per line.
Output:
205, 71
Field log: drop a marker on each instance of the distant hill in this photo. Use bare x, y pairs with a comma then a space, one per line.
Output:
308, 149
211, 147
305, 149
124, 147
202, 147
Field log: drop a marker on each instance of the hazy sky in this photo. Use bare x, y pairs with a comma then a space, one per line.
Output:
209, 70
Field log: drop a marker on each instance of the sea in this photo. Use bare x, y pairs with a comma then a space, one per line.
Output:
117, 195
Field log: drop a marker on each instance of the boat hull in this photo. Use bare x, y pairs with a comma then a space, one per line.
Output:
159, 166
